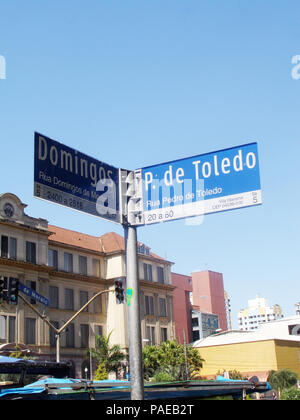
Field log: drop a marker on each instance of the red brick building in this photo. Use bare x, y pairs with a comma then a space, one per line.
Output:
182, 307
199, 303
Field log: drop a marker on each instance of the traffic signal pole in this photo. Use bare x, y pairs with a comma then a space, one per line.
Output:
134, 319
58, 331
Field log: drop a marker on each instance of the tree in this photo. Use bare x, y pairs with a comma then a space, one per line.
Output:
282, 379
109, 356
100, 373
169, 361
291, 394
150, 356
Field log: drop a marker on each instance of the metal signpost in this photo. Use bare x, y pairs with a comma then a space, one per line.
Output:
208, 183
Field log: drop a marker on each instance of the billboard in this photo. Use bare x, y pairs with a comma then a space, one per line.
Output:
72, 179
208, 183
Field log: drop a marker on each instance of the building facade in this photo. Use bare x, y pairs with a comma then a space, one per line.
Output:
257, 313
203, 324
273, 346
201, 306
182, 307
68, 268
209, 294
228, 310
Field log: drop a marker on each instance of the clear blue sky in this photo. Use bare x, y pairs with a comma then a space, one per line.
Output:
134, 83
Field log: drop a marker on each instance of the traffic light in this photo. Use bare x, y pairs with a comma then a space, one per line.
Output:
13, 290
119, 291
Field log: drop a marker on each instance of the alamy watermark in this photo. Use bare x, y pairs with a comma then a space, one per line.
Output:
2, 67
296, 69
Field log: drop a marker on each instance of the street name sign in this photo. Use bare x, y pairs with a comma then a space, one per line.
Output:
72, 179
208, 183
33, 294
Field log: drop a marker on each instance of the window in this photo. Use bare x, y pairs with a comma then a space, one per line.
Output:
195, 322
30, 331
3, 327
160, 275
98, 330
69, 299
162, 307
31, 252
8, 247
11, 329
151, 335
68, 262
82, 265
294, 329
4, 246
148, 272
149, 305
141, 249
13, 248
32, 286
163, 334
70, 336
84, 297
96, 268
84, 333
98, 304
53, 258
196, 335
10, 323
53, 297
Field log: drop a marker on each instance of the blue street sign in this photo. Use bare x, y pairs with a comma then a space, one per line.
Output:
72, 179
208, 183
33, 294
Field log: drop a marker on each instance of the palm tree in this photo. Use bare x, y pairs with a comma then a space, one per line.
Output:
110, 356
282, 379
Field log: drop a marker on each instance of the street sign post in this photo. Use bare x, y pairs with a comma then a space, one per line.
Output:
203, 184
213, 182
72, 179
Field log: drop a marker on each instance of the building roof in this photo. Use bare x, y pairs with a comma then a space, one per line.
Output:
276, 330
108, 243
76, 239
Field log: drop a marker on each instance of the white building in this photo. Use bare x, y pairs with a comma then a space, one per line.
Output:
257, 313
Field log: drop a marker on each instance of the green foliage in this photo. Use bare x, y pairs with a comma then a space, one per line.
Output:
170, 359
282, 379
291, 394
163, 377
101, 374
110, 356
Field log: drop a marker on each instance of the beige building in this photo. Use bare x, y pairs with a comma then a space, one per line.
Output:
68, 268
